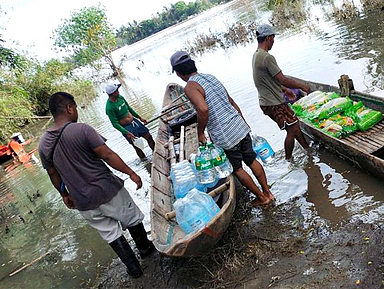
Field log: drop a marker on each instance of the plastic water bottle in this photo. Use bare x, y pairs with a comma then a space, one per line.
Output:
183, 178
191, 214
206, 172
222, 165
262, 148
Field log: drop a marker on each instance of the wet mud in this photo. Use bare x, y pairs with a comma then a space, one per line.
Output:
269, 248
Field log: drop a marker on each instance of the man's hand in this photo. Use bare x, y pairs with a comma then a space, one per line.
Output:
306, 88
202, 138
68, 202
137, 180
144, 121
290, 94
130, 136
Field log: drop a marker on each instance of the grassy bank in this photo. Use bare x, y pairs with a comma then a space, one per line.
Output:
25, 92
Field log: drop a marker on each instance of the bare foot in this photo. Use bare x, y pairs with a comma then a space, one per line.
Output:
258, 203
269, 195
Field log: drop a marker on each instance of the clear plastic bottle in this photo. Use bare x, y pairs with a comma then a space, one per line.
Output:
262, 148
222, 165
206, 172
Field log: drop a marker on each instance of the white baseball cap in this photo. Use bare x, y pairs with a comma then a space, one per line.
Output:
265, 30
111, 88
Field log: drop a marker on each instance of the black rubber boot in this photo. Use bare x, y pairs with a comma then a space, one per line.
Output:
125, 253
139, 235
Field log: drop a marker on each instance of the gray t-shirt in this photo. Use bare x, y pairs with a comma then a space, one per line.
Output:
265, 69
90, 182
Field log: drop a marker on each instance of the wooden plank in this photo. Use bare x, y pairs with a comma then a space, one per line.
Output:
162, 203
368, 138
182, 137
191, 141
162, 165
160, 181
161, 150
361, 142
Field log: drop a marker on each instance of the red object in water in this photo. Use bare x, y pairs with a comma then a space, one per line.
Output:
16, 150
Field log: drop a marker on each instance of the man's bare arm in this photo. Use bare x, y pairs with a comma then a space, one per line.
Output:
195, 93
56, 182
112, 159
288, 82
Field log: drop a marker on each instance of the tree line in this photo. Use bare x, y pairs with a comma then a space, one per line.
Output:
135, 31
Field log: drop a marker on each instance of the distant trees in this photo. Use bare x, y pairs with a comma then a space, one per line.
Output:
132, 32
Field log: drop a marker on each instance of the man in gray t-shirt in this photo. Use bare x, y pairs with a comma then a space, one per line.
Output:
73, 155
270, 83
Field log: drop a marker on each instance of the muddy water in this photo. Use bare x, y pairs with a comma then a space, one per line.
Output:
320, 187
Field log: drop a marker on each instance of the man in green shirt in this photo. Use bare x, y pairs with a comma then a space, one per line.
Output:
125, 119
271, 83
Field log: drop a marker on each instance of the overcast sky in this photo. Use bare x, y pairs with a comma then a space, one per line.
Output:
31, 22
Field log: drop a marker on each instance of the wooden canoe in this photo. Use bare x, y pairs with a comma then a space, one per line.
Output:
364, 149
167, 236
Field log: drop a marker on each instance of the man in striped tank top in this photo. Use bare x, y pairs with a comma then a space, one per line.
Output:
226, 126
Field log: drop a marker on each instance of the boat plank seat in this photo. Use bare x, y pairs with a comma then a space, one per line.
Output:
368, 141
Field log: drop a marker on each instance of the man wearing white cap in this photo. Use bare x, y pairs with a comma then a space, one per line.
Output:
271, 83
125, 119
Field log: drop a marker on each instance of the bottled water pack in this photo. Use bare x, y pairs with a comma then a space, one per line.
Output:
183, 178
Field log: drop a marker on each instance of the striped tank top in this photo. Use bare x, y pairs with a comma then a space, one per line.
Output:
225, 126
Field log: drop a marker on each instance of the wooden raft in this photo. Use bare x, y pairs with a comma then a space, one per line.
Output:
368, 141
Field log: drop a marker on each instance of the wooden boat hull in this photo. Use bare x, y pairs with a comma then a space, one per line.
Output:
167, 235
363, 149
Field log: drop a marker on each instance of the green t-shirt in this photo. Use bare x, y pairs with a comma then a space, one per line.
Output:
118, 110
265, 69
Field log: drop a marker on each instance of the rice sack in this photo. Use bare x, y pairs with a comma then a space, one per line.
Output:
367, 118
332, 107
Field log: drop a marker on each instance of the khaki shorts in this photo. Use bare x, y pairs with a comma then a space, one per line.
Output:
111, 218
281, 114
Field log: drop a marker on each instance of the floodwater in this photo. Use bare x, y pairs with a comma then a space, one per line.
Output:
323, 187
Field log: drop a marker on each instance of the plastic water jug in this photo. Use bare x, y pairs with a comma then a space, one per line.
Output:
222, 165
262, 148
191, 214
206, 200
206, 172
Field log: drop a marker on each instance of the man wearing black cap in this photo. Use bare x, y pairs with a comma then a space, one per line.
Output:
271, 83
125, 119
222, 117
